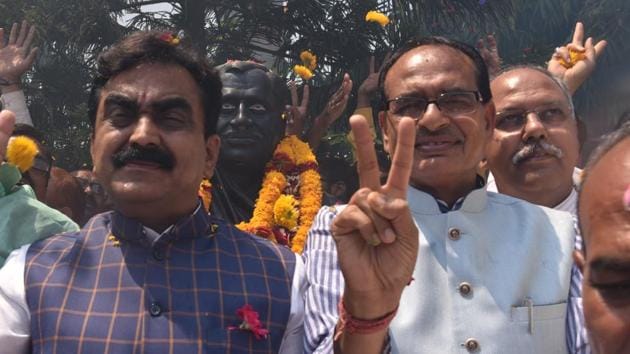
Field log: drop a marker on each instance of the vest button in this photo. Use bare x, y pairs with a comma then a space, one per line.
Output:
155, 309
471, 345
465, 289
454, 234
158, 255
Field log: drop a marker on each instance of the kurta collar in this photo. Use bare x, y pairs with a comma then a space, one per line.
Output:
424, 203
197, 224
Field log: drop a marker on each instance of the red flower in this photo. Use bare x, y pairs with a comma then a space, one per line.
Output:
251, 322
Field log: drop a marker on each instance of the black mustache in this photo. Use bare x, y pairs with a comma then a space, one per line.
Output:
141, 153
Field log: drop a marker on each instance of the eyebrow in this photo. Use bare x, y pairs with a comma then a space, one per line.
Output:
172, 103
413, 93
116, 99
610, 264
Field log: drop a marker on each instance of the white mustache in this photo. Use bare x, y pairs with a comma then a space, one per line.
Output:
529, 149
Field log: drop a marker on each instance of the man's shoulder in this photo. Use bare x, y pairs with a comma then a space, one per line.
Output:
524, 208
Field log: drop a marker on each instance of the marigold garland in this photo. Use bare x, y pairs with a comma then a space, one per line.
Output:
378, 17
574, 57
290, 197
205, 193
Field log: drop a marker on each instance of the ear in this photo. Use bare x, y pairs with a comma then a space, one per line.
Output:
213, 144
578, 259
385, 129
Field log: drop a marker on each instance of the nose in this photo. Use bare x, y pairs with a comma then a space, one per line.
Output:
145, 132
533, 128
433, 119
241, 119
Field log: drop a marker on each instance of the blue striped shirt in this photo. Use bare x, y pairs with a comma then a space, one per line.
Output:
322, 268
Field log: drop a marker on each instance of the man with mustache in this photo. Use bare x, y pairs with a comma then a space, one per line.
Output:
431, 262
534, 148
158, 274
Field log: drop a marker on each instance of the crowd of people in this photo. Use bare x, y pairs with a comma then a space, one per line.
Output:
482, 234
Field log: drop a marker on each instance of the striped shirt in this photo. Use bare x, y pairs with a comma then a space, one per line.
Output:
322, 268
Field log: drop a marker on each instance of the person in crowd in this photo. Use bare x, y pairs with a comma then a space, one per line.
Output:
16, 58
96, 200
433, 222
158, 273
23, 218
604, 216
65, 194
535, 147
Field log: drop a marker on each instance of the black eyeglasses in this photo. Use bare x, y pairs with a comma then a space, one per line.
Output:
511, 120
42, 163
454, 104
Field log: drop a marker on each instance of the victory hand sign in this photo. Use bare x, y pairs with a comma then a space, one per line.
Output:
376, 237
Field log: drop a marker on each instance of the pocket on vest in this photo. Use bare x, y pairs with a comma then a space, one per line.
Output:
543, 326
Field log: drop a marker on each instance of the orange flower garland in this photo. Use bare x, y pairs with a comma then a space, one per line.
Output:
291, 172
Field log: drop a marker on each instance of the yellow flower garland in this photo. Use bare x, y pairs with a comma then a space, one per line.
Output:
282, 212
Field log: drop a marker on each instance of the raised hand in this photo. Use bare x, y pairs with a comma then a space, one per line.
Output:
369, 86
490, 54
376, 237
17, 56
575, 72
297, 112
7, 121
337, 102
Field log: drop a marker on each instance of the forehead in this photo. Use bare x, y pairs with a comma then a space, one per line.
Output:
605, 220
525, 88
253, 83
151, 81
430, 70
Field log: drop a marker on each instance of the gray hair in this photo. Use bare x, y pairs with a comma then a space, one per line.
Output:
559, 82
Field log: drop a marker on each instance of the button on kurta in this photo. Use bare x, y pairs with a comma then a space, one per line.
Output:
465, 288
454, 234
155, 309
471, 345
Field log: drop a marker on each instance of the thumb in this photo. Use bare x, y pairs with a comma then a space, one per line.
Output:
7, 122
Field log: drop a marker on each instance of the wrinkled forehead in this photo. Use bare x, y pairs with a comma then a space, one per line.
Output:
431, 68
526, 85
603, 204
253, 81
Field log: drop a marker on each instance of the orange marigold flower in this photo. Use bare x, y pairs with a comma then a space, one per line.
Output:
303, 72
575, 56
378, 17
309, 59
21, 152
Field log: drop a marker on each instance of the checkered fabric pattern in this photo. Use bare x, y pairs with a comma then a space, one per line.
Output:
178, 294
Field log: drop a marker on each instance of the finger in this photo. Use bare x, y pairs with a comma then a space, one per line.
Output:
563, 52
390, 209
578, 34
348, 88
575, 47
382, 227
305, 96
294, 94
367, 164
30, 58
353, 220
589, 49
480, 44
13, 34
400, 169
22, 34
29, 39
7, 122
599, 48
492, 41
372, 67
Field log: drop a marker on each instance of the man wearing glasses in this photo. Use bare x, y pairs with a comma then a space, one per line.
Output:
431, 262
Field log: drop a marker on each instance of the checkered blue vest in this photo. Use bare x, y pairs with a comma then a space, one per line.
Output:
110, 289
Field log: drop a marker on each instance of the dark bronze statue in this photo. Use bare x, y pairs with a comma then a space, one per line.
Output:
250, 126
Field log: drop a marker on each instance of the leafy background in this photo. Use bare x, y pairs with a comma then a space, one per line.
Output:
71, 33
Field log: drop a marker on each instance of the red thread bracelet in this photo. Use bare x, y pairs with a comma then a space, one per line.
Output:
355, 325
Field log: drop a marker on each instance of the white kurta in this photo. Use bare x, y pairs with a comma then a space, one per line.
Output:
492, 277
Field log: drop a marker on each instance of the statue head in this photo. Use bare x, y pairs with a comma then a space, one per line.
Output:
250, 123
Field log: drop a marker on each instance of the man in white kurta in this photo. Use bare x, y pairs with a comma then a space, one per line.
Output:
491, 273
